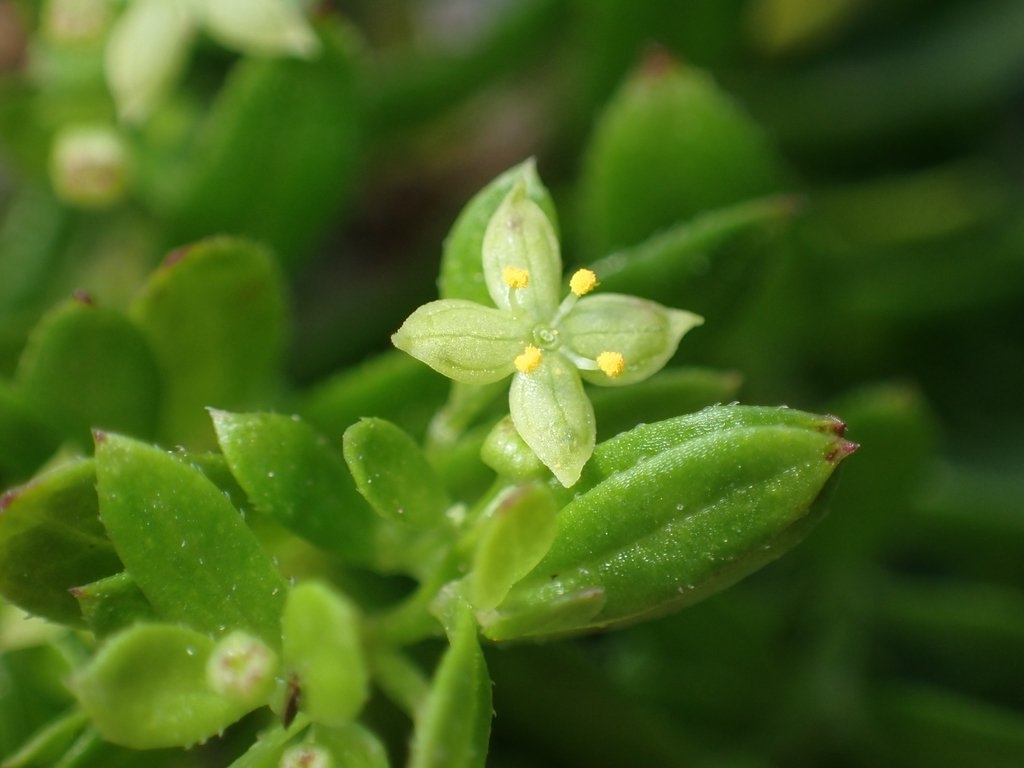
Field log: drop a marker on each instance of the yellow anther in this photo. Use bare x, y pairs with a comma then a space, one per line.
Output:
515, 277
582, 282
529, 360
612, 363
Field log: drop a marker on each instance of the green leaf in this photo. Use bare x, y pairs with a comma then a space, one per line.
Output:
463, 340
112, 603
294, 475
518, 532
51, 540
520, 236
183, 543
644, 333
270, 745
677, 518
146, 688
669, 145
322, 652
48, 744
453, 725
462, 274
350, 745
26, 439
214, 315
284, 182
87, 367
553, 415
392, 473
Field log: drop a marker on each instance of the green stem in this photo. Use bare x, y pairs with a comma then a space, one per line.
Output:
400, 679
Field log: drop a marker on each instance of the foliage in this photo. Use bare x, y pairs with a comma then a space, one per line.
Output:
250, 533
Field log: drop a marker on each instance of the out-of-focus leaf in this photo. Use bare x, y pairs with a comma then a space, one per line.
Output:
350, 745
322, 651
26, 439
214, 315
87, 366
294, 475
185, 546
669, 145
49, 744
51, 540
276, 158
35, 693
392, 386
146, 688
454, 723
516, 535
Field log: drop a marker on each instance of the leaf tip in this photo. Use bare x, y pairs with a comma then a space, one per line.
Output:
840, 451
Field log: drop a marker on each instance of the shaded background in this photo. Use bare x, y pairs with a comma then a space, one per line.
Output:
885, 286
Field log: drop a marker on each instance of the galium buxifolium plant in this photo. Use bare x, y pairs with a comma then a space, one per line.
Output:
248, 591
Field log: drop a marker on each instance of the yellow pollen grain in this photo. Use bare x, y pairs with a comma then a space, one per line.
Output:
515, 277
529, 360
582, 282
612, 363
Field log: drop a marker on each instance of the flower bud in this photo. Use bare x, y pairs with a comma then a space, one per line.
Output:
89, 166
242, 668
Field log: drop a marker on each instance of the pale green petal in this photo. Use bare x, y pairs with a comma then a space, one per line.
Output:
554, 416
145, 54
463, 340
646, 334
520, 235
259, 26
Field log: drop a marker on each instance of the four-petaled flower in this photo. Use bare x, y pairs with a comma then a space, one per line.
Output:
548, 344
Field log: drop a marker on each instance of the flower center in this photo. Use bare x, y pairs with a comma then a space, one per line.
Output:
546, 337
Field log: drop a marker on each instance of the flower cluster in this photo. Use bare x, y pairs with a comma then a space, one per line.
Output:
548, 343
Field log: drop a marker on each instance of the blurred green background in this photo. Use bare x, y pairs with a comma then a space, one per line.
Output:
852, 172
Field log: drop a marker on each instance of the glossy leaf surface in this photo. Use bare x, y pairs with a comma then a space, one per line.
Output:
184, 544
51, 540
293, 474
147, 688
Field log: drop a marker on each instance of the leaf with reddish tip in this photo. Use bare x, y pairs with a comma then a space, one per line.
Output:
215, 319
184, 544
87, 366
51, 540
671, 513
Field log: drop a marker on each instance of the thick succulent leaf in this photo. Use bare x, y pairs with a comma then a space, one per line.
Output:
51, 540
518, 532
520, 236
214, 315
393, 474
293, 474
184, 544
553, 415
146, 688
322, 653
284, 183
87, 366
270, 745
112, 604
463, 340
644, 333
462, 272
145, 54
678, 521
669, 145
453, 725
26, 439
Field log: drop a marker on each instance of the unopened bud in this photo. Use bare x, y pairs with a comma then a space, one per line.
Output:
242, 668
89, 166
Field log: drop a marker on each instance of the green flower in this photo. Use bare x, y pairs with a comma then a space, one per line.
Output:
548, 344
